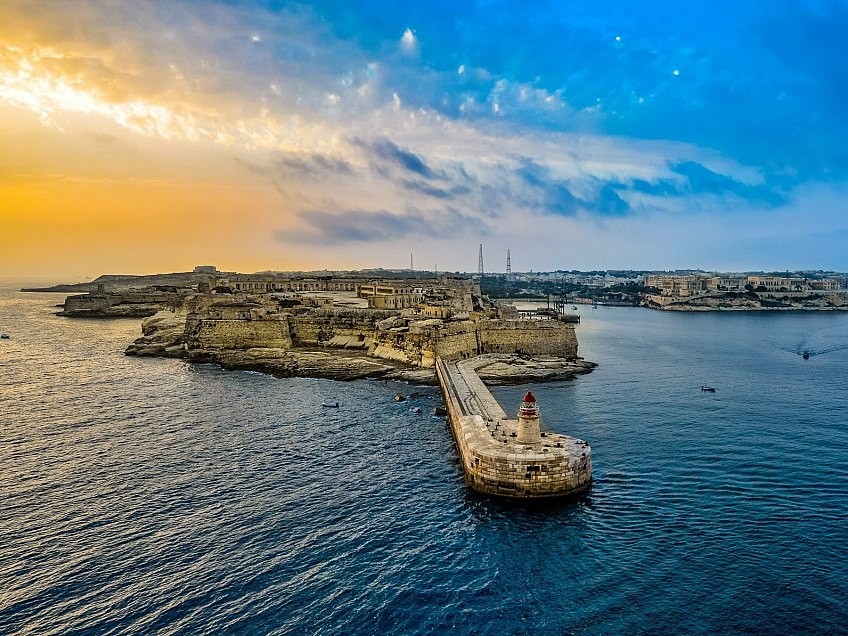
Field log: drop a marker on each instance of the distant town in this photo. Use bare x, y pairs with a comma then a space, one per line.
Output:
435, 294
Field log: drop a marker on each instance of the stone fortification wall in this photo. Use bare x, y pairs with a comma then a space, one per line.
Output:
497, 465
86, 303
237, 334
128, 303
388, 338
529, 337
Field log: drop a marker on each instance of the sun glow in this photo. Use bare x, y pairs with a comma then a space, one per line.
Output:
25, 83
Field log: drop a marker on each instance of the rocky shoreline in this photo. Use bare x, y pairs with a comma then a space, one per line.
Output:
346, 365
751, 301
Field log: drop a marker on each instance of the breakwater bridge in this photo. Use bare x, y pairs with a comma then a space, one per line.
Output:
508, 457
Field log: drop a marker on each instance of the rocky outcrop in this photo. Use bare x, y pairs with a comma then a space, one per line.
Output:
496, 369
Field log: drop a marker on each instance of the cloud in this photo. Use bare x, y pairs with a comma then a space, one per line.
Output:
566, 124
551, 195
364, 226
697, 179
386, 150
408, 41
431, 191
314, 166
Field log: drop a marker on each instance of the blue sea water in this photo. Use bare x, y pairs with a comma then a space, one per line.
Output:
151, 496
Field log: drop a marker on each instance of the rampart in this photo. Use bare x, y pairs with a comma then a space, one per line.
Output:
237, 333
415, 344
126, 303
492, 459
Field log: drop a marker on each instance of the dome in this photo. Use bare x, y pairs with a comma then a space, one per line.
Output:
529, 397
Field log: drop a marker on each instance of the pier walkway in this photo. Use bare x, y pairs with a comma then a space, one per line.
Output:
493, 460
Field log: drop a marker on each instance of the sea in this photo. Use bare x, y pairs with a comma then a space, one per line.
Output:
155, 496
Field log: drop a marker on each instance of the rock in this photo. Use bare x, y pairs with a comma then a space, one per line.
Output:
391, 323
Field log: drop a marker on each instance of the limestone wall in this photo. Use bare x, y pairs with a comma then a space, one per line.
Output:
416, 346
530, 337
237, 334
90, 303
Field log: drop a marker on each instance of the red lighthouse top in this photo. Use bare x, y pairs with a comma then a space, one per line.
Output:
528, 406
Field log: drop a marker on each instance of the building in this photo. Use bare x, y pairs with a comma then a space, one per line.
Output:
825, 284
390, 295
267, 283
682, 285
727, 283
778, 283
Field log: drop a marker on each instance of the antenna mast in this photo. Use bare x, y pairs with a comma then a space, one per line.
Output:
508, 266
480, 262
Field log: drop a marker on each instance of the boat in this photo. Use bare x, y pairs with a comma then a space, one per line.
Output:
440, 411
415, 409
574, 308
806, 354
330, 405
5, 336
400, 397
711, 389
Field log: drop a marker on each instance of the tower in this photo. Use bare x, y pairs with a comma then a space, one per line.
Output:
529, 431
480, 262
508, 266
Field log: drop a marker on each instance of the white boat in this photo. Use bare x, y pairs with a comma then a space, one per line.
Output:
330, 405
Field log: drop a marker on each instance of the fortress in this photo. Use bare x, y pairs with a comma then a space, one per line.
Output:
422, 330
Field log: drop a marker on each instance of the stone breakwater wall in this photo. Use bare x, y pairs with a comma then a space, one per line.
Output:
493, 462
416, 346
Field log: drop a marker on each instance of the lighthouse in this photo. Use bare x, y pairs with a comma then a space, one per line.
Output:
528, 421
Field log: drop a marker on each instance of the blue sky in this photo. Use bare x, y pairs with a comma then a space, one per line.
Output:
577, 134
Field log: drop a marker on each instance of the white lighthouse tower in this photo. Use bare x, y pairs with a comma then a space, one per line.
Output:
529, 431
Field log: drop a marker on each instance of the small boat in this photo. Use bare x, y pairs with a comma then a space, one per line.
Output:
440, 411
5, 336
574, 308
400, 397
330, 405
806, 354
711, 389
415, 409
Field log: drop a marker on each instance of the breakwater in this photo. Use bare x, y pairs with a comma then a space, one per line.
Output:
495, 458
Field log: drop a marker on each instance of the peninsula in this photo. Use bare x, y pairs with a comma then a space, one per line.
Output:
341, 327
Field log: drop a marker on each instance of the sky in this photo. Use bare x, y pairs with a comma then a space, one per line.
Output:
141, 136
